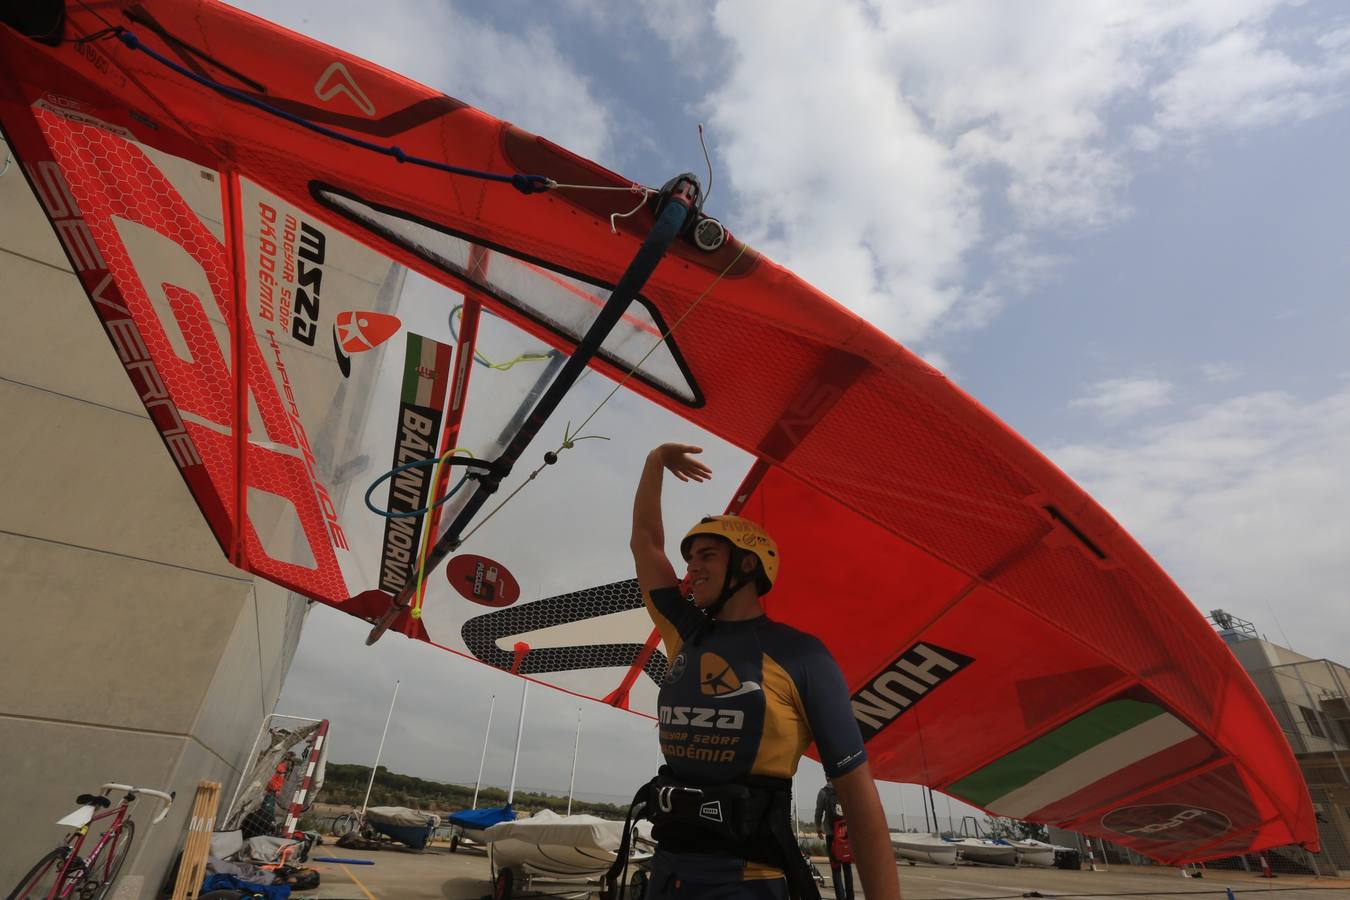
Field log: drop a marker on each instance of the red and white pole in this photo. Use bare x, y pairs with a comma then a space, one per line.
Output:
298, 801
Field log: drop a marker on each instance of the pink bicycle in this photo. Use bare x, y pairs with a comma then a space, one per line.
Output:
64, 872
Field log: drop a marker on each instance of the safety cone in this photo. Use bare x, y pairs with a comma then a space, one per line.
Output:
1265, 868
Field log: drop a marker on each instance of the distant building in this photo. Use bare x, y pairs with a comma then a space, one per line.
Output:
1308, 698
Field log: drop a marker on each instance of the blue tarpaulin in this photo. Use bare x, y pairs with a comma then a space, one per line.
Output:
481, 819
235, 883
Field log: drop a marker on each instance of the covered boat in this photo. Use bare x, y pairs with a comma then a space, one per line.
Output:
548, 846
407, 826
472, 824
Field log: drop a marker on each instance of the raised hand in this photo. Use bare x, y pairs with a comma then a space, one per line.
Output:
679, 459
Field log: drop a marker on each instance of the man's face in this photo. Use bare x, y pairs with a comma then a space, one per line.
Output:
708, 558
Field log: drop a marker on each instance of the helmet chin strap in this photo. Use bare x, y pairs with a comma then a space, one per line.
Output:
729, 588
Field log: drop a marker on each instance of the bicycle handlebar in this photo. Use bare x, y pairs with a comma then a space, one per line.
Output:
166, 799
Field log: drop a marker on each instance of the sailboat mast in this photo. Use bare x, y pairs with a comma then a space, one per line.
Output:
520, 729
482, 759
375, 768
575, 745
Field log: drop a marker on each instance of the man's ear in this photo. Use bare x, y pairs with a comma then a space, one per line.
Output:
749, 563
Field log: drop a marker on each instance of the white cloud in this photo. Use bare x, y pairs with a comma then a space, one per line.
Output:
1038, 90
1120, 398
1238, 82
832, 167
864, 154
1335, 40
1246, 503
1218, 373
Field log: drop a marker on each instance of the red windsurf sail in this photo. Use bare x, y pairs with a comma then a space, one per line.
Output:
286, 294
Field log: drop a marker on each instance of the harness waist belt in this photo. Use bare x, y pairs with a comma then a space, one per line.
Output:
749, 819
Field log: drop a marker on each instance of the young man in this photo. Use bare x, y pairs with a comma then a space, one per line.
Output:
743, 699
833, 827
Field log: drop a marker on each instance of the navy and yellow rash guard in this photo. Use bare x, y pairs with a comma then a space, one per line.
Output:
748, 697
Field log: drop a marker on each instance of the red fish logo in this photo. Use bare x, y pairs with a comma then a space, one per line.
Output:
356, 331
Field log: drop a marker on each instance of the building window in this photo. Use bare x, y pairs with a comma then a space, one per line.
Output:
1314, 725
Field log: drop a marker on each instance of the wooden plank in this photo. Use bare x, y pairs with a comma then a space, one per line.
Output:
197, 845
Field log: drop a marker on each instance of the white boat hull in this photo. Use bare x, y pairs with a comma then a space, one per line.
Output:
1037, 853
924, 848
987, 853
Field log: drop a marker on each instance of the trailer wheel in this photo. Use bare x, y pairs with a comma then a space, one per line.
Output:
454, 843
501, 886
638, 889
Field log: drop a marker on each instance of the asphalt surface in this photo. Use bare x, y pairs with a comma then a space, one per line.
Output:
438, 874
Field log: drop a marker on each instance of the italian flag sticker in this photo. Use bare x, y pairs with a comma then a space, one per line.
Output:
1113, 751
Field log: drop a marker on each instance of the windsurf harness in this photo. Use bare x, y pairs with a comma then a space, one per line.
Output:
749, 819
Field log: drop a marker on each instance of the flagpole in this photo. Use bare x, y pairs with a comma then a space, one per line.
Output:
520, 729
571, 785
482, 759
380, 751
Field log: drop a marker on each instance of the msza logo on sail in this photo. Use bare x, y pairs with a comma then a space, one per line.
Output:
703, 717
906, 681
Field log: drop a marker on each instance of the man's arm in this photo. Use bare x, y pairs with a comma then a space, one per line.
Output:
867, 833
648, 541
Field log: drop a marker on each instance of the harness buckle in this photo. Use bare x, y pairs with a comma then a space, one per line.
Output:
664, 799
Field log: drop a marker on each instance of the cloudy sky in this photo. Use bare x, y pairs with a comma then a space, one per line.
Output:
1119, 225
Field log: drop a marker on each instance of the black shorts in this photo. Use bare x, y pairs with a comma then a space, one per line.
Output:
693, 876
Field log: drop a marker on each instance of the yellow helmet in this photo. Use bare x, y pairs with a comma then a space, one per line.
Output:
744, 536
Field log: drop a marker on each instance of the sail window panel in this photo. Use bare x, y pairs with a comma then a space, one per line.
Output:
277, 524
561, 302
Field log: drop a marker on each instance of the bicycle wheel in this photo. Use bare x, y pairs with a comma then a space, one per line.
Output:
43, 877
345, 824
113, 867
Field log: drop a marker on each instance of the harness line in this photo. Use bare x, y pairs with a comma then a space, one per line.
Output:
570, 437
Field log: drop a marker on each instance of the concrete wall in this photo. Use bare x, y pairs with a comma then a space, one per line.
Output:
130, 650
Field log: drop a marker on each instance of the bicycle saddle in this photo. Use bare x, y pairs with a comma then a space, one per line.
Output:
93, 800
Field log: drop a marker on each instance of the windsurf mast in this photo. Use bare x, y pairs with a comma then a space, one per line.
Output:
680, 201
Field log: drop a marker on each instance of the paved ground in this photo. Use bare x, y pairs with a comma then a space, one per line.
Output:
438, 874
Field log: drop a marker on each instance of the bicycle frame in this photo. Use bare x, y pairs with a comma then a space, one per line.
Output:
75, 840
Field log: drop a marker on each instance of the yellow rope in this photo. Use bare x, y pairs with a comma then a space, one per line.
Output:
416, 611
506, 366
